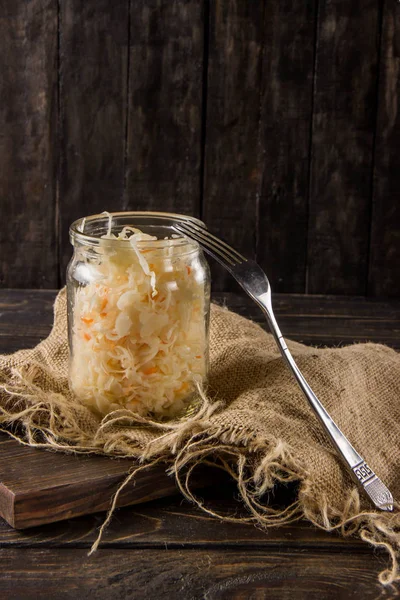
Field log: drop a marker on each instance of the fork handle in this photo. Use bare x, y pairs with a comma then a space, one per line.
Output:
358, 468
342, 444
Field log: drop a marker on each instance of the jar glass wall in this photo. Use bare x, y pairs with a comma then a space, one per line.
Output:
138, 314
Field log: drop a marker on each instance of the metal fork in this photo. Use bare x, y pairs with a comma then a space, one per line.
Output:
254, 281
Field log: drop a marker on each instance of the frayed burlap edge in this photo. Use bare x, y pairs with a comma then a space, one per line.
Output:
256, 465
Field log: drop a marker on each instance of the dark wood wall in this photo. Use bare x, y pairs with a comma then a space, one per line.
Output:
276, 121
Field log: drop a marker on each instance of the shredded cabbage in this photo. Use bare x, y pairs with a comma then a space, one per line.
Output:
138, 337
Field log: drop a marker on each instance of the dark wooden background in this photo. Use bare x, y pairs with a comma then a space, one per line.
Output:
276, 121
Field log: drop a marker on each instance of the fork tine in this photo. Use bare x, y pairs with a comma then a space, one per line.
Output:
208, 246
218, 252
206, 234
214, 243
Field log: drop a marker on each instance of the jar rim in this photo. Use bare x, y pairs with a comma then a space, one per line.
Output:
77, 233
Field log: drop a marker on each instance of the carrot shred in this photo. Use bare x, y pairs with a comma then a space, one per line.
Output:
183, 387
188, 269
103, 304
87, 320
87, 336
150, 371
198, 356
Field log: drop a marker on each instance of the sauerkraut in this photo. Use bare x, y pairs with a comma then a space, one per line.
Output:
138, 333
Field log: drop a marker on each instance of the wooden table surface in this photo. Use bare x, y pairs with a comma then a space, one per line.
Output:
170, 549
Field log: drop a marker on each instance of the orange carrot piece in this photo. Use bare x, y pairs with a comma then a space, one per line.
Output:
87, 336
150, 371
87, 320
183, 387
188, 269
103, 304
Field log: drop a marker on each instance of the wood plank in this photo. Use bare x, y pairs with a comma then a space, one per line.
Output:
384, 274
28, 115
232, 174
174, 522
183, 574
342, 146
26, 317
165, 103
326, 320
286, 113
93, 95
39, 486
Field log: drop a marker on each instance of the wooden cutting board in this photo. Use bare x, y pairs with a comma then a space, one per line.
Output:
40, 486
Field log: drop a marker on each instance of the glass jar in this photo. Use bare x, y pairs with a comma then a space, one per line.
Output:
138, 314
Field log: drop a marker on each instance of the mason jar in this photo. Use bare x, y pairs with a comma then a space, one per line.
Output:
138, 314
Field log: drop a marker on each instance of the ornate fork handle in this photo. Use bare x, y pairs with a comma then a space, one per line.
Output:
373, 486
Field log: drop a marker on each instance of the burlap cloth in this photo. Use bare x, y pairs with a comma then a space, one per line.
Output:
256, 424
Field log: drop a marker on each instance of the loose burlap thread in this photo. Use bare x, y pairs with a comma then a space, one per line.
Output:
254, 423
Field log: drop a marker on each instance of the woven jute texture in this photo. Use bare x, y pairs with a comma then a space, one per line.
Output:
254, 423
